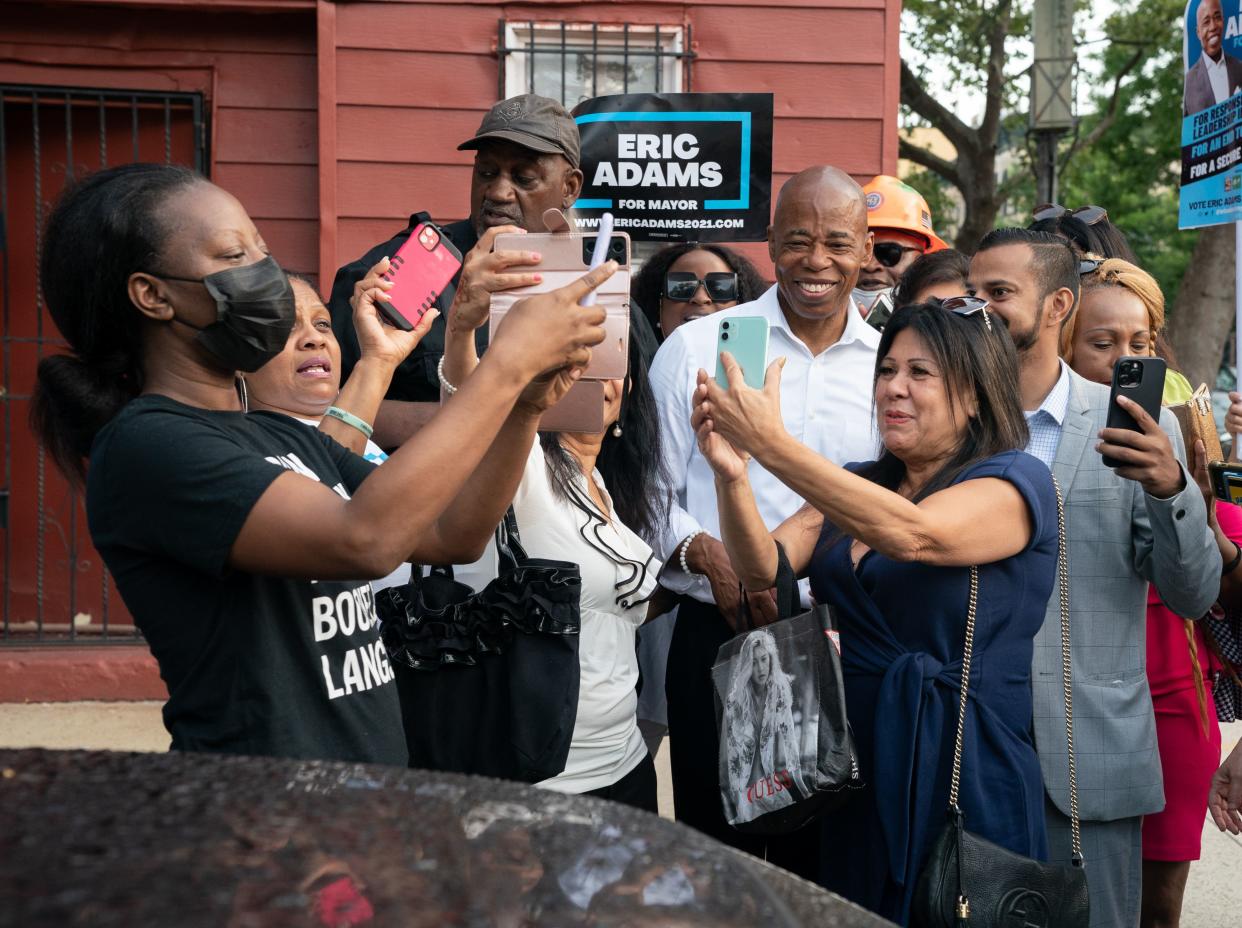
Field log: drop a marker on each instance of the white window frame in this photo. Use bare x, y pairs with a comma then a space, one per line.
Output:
525, 41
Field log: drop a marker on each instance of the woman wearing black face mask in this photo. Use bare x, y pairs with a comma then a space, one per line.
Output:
242, 543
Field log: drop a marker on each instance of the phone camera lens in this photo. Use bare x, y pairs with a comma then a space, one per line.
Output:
724, 325
724, 336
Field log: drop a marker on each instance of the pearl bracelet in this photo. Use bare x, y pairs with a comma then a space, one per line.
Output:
684, 548
447, 387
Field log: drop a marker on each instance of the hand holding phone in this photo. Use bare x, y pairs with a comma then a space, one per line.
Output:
1133, 442
1140, 379
566, 256
419, 272
487, 270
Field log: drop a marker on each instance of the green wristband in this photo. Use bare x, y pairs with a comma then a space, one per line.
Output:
349, 419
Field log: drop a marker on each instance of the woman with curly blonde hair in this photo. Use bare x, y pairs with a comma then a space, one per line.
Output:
1120, 313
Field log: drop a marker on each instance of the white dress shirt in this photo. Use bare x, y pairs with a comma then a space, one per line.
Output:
826, 403
1218, 77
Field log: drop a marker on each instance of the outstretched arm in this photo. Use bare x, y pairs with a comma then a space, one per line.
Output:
470, 520
973, 522
300, 528
749, 544
382, 347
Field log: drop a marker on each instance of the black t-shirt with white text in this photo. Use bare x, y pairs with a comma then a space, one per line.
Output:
254, 664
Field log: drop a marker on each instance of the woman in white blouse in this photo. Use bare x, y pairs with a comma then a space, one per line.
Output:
587, 498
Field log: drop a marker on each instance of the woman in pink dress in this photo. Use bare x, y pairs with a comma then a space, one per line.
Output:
1121, 312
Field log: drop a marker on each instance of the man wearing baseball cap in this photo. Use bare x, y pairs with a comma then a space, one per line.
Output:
898, 218
526, 162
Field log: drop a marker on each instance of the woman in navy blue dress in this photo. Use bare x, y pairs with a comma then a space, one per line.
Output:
888, 544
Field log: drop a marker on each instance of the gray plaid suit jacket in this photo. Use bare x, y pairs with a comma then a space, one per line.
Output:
1119, 538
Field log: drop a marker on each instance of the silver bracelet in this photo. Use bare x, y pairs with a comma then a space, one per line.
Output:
447, 387
684, 548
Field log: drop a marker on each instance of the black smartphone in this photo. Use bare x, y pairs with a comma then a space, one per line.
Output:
1226, 481
1140, 379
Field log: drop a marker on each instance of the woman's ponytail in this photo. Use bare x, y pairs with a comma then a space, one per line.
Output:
73, 400
105, 228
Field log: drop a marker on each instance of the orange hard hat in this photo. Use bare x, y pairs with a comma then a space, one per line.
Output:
893, 204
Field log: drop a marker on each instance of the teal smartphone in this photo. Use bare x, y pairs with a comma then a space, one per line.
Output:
746, 338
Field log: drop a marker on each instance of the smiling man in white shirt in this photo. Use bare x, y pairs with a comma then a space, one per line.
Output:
818, 241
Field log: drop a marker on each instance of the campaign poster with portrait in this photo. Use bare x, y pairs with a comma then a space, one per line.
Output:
1211, 186
677, 167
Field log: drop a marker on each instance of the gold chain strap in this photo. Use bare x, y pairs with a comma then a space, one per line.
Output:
967, 651
1066, 678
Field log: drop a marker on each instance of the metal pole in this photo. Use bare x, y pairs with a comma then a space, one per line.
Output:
1046, 165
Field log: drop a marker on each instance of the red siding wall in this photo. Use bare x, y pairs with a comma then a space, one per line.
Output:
332, 121
257, 72
413, 78
257, 76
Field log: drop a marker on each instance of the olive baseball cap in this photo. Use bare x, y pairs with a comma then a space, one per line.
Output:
533, 122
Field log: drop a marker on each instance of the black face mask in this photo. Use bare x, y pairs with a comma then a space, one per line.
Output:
255, 312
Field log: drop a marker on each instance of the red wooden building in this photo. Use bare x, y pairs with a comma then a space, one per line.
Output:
332, 122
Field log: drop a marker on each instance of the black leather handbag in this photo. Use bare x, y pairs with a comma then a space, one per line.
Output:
969, 881
488, 679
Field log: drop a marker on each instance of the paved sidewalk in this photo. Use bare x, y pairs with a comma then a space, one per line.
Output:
1213, 895
1214, 890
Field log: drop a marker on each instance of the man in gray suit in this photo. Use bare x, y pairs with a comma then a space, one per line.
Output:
1144, 522
1216, 76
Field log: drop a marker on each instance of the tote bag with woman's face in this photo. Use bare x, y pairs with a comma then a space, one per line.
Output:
786, 750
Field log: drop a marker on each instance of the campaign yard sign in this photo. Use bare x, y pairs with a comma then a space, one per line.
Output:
678, 167
1211, 191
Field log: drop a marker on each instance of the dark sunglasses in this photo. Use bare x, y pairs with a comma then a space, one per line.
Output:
889, 253
1088, 266
968, 306
1090, 215
681, 286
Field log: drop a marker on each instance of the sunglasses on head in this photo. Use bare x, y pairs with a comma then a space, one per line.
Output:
889, 253
968, 306
1089, 215
1088, 266
681, 286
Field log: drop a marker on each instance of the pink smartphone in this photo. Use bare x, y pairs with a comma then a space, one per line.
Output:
419, 271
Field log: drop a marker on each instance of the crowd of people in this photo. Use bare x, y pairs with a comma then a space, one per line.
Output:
258, 463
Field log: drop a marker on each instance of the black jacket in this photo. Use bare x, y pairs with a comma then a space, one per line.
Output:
415, 379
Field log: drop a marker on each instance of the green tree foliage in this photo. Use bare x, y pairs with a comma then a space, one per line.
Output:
960, 47
1125, 152
1133, 167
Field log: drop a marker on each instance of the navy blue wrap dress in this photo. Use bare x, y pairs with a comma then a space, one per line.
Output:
903, 628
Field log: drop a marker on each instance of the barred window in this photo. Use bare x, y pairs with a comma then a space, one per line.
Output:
572, 62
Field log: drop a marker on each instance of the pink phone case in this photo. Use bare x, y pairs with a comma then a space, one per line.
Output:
419, 271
